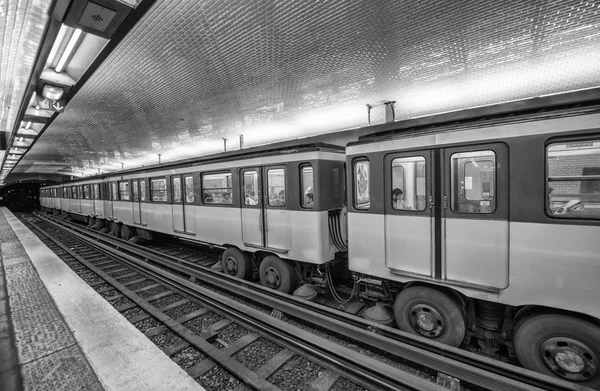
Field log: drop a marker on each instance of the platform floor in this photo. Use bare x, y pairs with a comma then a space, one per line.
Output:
57, 333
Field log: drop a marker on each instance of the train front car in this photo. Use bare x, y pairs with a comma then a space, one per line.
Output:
485, 234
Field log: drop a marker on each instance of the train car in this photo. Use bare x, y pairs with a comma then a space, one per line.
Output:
487, 233
276, 210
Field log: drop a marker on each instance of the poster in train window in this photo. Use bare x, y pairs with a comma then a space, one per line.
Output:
217, 188
408, 183
473, 182
361, 185
158, 190
308, 195
276, 186
573, 181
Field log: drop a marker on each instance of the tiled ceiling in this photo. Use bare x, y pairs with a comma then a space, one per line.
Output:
193, 72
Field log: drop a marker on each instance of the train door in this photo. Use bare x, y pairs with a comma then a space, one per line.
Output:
409, 214
183, 198
474, 215
189, 212
265, 214
136, 204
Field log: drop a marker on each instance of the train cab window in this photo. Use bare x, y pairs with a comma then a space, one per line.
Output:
96, 191
276, 185
362, 197
251, 191
86, 192
158, 190
217, 188
473, 182
143, 190
135, 190
176, 181
573, 179
307, 186
189, 189
408, 183
124, 191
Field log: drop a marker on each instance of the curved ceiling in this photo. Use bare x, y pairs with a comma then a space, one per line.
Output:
191, 72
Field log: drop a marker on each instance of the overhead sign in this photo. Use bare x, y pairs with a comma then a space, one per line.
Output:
50, 104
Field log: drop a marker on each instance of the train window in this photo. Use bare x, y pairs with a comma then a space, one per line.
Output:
408, 183
217, 188
114, 191
308, 194
573, 181
74, 192
362, 197
276, 185
86, 192
189, 189
96, 191
251, 187
124, 191
135, 190
143, 190
158, 190
176, 181
473, 177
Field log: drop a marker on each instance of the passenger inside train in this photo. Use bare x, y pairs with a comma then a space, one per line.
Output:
309, 198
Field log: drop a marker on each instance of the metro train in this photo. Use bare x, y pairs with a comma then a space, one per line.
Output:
480, 232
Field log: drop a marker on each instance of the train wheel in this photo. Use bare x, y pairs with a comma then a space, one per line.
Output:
91, 221
561, 346
278, 274
127, 232
430, 313
99, 224
236, 263
115, 229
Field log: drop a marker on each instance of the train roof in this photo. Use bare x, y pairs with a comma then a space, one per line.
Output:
282, 148
578, 102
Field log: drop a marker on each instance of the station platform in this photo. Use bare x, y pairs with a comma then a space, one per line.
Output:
57, 333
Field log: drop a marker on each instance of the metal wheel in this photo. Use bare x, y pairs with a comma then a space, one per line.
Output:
278, 274
430, 313
561, 346
236, 263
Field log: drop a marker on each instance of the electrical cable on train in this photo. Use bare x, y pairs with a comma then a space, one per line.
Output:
481, 233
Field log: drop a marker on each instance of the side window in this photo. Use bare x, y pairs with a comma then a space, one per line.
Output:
307, 186
276, 185
86, 192
143, 189
473, 182
176, 181
251, 190
124, 190
96, 191
114, 191
135, 190
158, 190
408, 183
216, 188
189, 189
362, 198
573, 179
74, 192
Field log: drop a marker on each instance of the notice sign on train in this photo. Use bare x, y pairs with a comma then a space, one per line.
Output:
50, 104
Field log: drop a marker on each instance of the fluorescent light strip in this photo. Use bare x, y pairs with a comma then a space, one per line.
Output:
28, 125
63, 59
57, 43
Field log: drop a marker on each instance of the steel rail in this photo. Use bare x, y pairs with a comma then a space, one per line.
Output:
368, 371
466, 366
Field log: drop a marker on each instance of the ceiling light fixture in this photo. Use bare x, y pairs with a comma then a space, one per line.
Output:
68, 50
28, 125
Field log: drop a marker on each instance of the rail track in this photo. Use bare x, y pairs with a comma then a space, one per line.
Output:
181, 273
